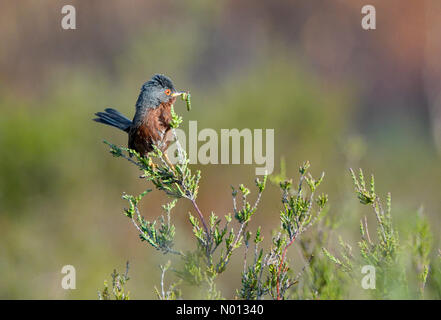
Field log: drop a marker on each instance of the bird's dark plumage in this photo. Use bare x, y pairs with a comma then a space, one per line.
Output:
113, 118
151, 123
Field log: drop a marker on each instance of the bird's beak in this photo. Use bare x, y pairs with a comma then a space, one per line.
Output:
177, 94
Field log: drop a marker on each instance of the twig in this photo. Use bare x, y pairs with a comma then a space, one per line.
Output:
201, 217
162, 282
367, 230
281, 265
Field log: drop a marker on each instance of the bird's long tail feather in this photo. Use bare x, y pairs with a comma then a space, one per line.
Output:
113, 118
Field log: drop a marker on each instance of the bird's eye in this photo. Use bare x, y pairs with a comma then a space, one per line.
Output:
167, 92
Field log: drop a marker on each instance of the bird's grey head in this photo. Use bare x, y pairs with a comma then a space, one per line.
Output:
159, 89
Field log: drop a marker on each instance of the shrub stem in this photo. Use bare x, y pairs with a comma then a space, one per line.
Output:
281, 265
201, 217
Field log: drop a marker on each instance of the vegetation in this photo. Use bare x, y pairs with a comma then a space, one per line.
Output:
267, 272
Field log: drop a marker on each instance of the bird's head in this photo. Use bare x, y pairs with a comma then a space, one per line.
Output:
159, 89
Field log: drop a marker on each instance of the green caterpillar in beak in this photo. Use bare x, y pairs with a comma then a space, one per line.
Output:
186, 97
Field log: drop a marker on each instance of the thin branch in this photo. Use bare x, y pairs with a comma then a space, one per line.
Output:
162, 282
367, 230
201, 217
281, 265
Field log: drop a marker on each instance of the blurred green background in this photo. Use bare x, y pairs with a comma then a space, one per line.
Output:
336, 95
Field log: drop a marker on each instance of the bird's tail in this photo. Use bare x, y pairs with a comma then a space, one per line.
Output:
113, 118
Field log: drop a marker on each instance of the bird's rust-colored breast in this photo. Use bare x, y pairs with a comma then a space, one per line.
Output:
154, 129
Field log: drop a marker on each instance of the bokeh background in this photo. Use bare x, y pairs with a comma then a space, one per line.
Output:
336, 95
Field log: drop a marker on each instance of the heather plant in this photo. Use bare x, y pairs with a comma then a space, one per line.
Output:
118, 290
267, 271
300, 210
383, 250
420, 247
321, 279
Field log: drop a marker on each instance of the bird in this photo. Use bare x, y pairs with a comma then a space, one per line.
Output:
151, 123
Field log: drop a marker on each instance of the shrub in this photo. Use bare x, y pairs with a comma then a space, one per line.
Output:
268, 273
